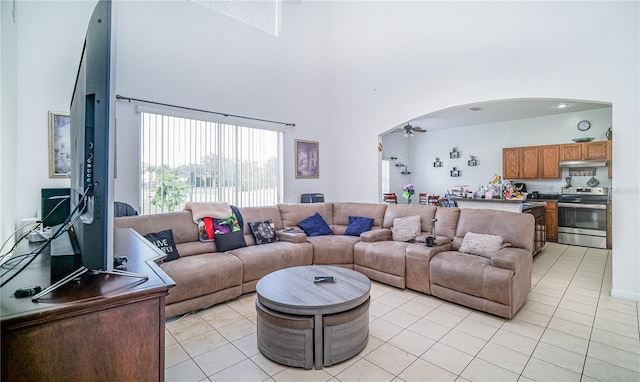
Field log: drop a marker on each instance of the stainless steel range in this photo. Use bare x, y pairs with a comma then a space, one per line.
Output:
582, 216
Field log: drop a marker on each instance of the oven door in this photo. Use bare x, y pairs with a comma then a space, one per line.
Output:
588, 219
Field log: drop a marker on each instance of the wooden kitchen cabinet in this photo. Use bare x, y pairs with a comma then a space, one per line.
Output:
571, 151
594, 150
511, 163
551, 221
531, 162
583, 151
549, 162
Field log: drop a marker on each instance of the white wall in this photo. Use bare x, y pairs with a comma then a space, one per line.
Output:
485, 142
392, 62
8, 157
50, 37
180, 53
344, 72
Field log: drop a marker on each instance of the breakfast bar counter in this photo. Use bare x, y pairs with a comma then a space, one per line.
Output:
511, 205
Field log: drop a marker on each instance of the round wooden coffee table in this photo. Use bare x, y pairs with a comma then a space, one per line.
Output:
302, 322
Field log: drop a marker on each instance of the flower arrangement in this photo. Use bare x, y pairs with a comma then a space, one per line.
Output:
407, 191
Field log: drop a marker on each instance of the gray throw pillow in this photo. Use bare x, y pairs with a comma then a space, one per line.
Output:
406, 228
481, 244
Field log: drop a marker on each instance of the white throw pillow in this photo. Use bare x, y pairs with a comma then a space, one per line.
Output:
406, 229
480, 244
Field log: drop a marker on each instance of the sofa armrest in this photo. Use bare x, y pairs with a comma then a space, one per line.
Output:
511, 258
440, 240
291, 237
382, 234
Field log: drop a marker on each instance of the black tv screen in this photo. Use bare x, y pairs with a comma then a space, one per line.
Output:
92, 141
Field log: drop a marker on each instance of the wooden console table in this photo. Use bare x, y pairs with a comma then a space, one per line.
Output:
102, 328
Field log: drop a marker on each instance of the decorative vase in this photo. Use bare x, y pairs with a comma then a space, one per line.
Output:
609, 133
409, 200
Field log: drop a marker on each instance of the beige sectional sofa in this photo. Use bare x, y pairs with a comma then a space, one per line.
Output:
497, 284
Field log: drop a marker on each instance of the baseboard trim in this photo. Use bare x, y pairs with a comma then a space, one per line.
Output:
625, 295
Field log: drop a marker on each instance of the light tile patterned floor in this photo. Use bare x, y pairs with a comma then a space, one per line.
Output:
569, 329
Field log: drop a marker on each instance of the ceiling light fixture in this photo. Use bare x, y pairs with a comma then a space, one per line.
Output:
563, 105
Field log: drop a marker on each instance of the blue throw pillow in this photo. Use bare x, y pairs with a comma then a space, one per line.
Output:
315, 225
358, 225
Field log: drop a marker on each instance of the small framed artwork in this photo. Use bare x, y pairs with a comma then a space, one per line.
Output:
307, 159
59, 144
473, 161
437, 163
454, 173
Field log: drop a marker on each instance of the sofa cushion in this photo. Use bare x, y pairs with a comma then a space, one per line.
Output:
343, 210
164, 241
406, 228
358, 225
472, 275
333, 249
292, 213
264, 232
315, 225
515, 228
203, 274
481, 244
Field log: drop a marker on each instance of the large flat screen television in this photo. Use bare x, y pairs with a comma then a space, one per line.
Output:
92, 142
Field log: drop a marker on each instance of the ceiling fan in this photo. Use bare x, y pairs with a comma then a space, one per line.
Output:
409, 130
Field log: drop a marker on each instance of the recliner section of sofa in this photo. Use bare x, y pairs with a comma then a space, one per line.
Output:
498, 285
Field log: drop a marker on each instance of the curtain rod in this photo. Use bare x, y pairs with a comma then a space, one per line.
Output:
118, 96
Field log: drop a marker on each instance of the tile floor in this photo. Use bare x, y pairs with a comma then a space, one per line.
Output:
569, 329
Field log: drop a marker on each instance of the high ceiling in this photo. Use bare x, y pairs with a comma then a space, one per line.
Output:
500, 111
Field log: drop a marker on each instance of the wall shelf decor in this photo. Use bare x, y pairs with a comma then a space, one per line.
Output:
473, 161
454, 153
454, 173
437, 163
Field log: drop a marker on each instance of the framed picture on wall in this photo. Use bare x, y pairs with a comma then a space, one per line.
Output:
59, 144
307, 159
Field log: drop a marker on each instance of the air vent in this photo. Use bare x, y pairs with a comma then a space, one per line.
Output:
262, 14
476, 108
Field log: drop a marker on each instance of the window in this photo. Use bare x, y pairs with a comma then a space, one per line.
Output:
262, 14
384, 178
185, 159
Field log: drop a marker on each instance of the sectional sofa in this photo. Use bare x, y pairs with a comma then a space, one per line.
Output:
497, 282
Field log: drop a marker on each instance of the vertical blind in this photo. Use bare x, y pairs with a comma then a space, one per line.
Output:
186, 160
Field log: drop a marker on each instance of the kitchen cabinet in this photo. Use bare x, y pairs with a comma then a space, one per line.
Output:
594, 150
583, 151
551, 221
571, 151
511, 163
549, 162
531, 162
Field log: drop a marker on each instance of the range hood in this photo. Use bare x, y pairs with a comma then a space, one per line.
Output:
584, 163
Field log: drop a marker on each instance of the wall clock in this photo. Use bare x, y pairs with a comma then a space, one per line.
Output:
584, 125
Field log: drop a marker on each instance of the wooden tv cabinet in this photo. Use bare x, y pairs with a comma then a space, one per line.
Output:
101, 328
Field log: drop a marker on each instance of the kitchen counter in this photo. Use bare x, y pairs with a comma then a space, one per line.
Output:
512, 205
